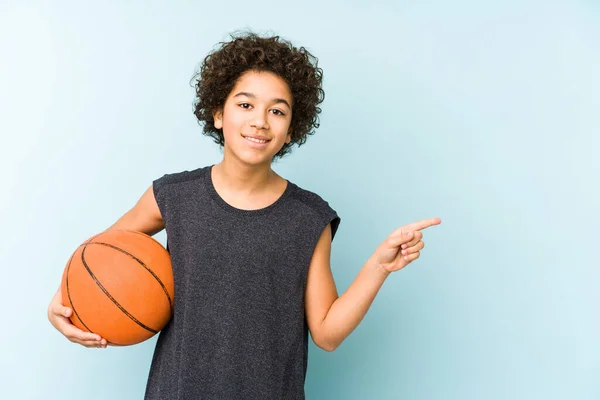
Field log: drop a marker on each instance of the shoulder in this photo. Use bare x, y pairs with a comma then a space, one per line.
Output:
318, 205
310, 199
179, 177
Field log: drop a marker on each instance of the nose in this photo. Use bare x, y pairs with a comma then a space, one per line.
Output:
259, 120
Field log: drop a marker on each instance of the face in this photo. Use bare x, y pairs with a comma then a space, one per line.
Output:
256, 118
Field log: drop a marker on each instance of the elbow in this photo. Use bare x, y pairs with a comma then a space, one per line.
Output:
329, 349
328, 346
325, 338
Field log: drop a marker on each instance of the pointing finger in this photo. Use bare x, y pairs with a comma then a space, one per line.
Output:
425, 223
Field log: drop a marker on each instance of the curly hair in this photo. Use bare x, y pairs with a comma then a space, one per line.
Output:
222, 68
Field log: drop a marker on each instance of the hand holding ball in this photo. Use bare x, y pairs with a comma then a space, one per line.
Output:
120, 285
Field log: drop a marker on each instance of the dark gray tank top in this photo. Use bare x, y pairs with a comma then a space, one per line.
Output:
239, 329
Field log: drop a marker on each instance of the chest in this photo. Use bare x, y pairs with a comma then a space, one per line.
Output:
211, 247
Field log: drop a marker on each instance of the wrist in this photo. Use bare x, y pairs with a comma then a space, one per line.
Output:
377, 268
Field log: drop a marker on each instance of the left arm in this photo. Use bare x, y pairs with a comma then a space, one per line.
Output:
331, 318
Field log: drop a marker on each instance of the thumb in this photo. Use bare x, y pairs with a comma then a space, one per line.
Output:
66, 312
399, 238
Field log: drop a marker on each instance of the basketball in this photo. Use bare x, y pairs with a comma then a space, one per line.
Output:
120, 286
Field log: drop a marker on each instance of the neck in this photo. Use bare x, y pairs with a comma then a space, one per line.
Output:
241, 177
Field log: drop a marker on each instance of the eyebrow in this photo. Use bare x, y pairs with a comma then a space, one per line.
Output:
275, 100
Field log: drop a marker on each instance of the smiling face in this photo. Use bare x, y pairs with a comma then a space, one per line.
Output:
256, 118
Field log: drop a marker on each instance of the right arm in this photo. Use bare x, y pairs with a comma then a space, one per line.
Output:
143, 217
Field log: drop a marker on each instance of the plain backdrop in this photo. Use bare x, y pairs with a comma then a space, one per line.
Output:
484, 114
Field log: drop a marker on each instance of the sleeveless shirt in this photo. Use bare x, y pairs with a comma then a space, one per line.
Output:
239, 329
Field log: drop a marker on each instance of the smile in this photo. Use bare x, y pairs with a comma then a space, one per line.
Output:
256, 140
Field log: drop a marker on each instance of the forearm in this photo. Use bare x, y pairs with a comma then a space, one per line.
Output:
349, 309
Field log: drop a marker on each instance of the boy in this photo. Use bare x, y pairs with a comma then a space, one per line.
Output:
250, 249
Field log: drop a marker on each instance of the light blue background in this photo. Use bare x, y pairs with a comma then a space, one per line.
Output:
485, 115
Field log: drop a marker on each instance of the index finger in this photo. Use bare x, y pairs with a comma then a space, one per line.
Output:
425, 223
66, 327
82, 335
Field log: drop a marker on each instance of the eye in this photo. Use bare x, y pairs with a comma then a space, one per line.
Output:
245, 105
278, 112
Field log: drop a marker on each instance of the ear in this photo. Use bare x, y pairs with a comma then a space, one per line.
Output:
218, 118
288, 139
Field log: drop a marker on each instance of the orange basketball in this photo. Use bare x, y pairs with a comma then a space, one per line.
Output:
119, 284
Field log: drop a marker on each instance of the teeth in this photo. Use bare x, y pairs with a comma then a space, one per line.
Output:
256, 140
